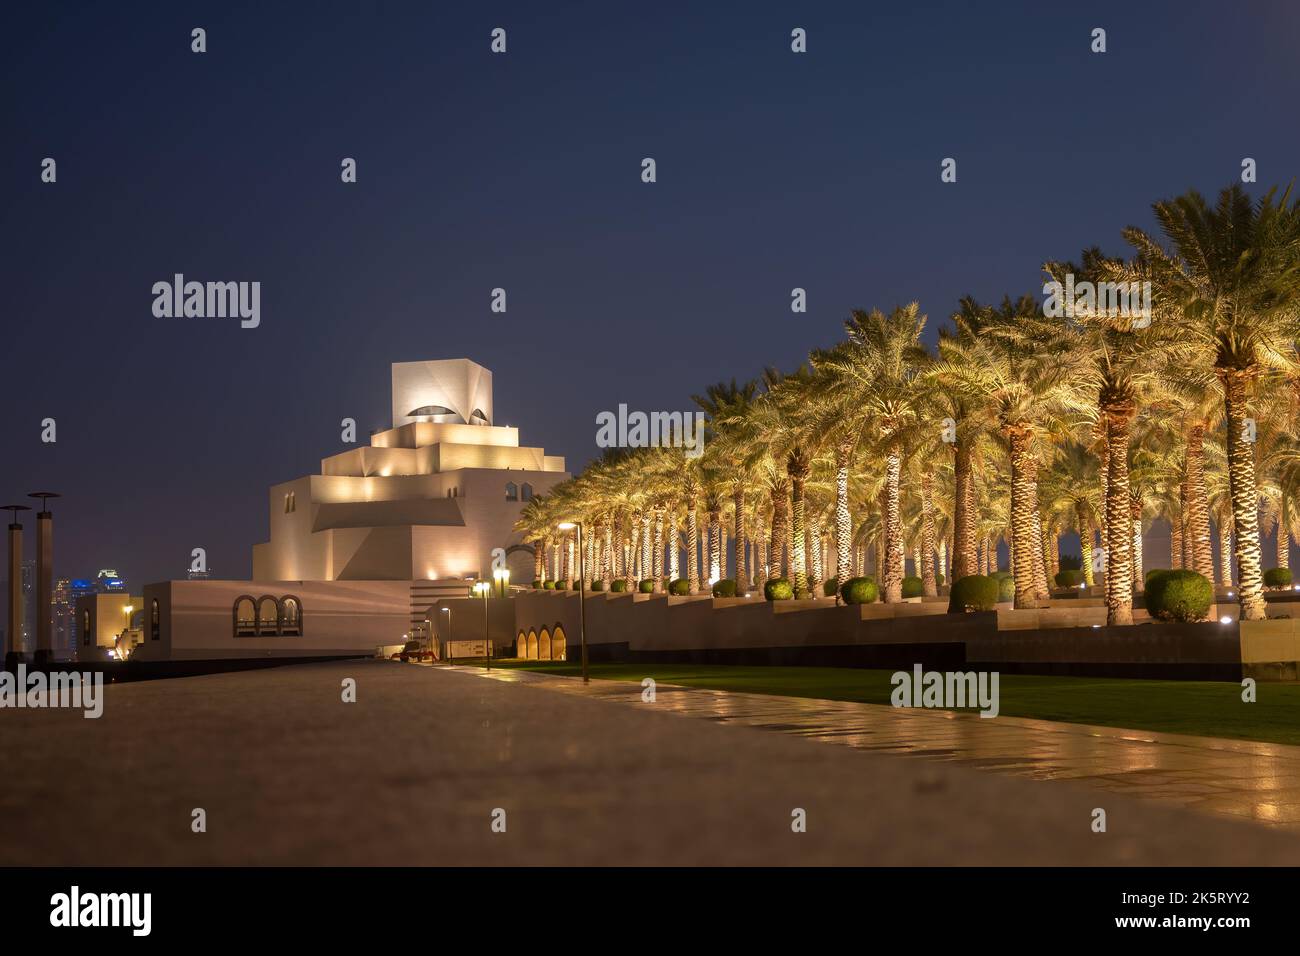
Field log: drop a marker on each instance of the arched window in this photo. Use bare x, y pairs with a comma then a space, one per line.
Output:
290, 616
512, 491
155, 621
268, 616
244, 615
526, 493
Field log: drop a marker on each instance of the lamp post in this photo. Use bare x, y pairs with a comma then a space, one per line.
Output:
582, 594
428, 636
44, 575
13, 636
483, 588
450, 657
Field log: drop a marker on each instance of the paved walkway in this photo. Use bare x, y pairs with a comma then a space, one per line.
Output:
413, 772
1236, 778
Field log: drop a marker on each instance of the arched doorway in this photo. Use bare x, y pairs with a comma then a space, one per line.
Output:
544, 645
532, 646
521, 646
559, 644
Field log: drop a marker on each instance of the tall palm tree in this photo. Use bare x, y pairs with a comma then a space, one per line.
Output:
880, 372
1230, 279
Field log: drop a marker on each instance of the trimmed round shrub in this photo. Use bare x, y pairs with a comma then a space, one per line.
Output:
860, 591
537, 585
1006, 585
830, 586
1068, 578
938, 579
803, 594
975, 592
681, 587
647, 586
598, 585
725, 588
549, 586
913, 587
1278, 578
617, 587
578, 584
1179, 596
1152, 572
561, 585
778, 589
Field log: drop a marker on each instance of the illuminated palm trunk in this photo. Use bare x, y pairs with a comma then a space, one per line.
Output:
1245, 497
738, 505
1085, 547
1198, 504
780, 527
1135, 512
1283, 538
797, 467
1023, 513
692, 548
843, 519
893, 571
657, 553
1042, 558
965, 557
815, 576
539, 560
929, 586
607, 559
1119, 522
943, 560
1225, 551
1175, 542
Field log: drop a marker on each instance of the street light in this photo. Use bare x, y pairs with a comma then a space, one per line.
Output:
482, 587
428, 636
503, 576
582, 594
450, 657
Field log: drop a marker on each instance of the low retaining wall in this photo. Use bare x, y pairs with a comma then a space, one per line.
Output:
656, 628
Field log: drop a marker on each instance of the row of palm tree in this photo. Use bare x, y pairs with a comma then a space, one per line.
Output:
1015, 428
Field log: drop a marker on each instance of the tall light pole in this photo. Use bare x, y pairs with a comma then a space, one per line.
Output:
482, 587
582, 594
13, 636
447, 611
44, 575
428, 636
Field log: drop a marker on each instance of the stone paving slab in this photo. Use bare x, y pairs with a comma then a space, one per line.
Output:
1238, 778
411, 773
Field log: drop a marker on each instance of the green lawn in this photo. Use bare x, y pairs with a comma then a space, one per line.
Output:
1207, 708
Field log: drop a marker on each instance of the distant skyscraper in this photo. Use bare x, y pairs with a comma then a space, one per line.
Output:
63, 618
108, 580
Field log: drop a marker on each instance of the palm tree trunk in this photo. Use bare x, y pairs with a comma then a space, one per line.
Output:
929, 586
815, 574
965, 559
1175, 542
657, 552
799, 554
1119, 522
1085, 548
843, 519
1023, 511
1283, 538
1135, 512
780, 526
1042, 560
893, 589
1225, 552
1198, 504
1245, 497
738, 505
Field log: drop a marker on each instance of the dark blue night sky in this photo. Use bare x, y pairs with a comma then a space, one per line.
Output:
522, 171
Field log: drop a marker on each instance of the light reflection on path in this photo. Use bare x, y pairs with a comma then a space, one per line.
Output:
1236, 778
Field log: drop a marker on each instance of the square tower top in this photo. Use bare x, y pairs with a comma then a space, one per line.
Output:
445, 391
